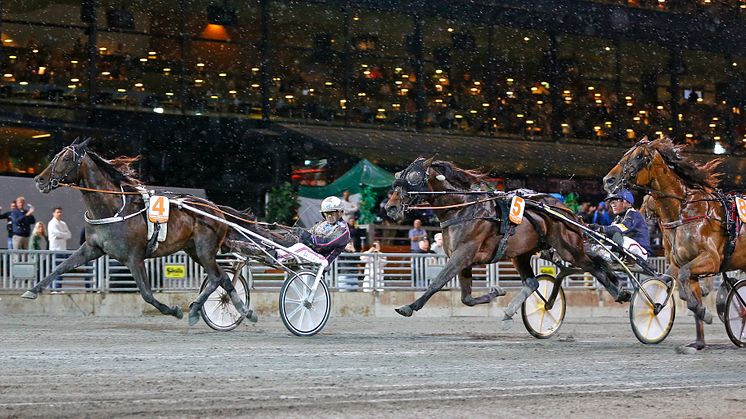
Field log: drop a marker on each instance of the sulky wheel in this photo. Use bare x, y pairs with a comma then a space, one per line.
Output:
540, 321
218, 311
301, 317
735, 314
648, 327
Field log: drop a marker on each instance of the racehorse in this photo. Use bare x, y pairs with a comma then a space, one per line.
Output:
472, 235
692, 216
116, 225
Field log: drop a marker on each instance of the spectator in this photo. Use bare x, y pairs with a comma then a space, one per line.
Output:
39, 240
374, 263
415, 235
22, 219
59, 233
6, 215
423, 246
601, 215
437, 247
585, 212
349, 207
356, 235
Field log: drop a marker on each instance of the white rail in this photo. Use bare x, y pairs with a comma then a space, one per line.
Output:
21, 269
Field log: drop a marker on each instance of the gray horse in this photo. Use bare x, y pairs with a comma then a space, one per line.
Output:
118, 226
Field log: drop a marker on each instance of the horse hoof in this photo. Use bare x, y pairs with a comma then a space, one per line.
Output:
252, 316
623, 296
686, 350
707, 317
29, 295
506, 323
193, 315
405, 311
177, 312
498, 292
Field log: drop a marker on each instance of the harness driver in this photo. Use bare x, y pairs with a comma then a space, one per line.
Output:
330, 236
628, 229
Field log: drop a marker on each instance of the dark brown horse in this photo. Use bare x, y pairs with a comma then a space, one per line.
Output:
691, 213
471, 233
109, 192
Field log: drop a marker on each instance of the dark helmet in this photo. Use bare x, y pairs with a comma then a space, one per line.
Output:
622, 194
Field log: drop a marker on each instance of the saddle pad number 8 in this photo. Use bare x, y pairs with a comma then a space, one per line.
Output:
517, 205
158, 210
741, 206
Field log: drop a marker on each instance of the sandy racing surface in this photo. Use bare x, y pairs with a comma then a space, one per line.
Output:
371, 367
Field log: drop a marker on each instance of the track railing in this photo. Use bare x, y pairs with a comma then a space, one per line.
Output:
21, 269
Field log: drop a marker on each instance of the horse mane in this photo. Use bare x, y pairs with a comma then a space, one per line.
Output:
458, 176
119, 168
696, 175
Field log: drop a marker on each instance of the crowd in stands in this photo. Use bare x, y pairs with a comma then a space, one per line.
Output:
25, 233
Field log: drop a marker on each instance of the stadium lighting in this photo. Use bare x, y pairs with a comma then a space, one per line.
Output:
718, 149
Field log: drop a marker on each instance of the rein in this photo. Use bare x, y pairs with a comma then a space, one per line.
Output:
104, 191
461, 205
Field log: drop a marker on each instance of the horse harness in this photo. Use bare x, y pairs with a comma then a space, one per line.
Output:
731, 224
506, 227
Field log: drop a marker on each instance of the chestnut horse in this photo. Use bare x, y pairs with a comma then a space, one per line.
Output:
118, 227
471, 233
691, 213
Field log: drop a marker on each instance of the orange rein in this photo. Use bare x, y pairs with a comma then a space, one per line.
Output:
213, 207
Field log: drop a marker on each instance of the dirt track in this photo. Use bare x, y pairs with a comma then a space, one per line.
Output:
417, 367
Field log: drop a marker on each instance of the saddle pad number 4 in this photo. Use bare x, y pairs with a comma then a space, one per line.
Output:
517, 205
741, 206
158, 211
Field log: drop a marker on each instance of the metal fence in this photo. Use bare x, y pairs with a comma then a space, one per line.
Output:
21, 269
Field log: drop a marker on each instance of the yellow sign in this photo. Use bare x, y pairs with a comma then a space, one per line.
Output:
547, 270
174, 271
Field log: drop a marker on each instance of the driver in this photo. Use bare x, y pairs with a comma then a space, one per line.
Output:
329, 237
629, 228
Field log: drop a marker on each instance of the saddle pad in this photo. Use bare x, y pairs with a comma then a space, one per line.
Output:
158, 209
517, 206
741, 208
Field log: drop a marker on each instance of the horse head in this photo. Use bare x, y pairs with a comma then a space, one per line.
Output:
412, 179
64, 168
632, 167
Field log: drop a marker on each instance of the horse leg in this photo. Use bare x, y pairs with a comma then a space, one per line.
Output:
137, 268
465, 280
530, 284
460, 259
84, 254
242, 308
692, 293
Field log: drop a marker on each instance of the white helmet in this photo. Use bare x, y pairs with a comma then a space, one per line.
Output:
331, 204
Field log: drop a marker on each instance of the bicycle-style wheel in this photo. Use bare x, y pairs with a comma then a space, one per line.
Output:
651, 328
218, 311
304, 316
541, 322
735, 314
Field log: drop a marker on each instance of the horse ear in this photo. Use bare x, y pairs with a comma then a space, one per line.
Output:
84, 144
644, 140
429, 162
75, 141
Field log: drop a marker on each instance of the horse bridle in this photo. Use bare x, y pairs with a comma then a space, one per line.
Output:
412, 179
630, 169
55, 181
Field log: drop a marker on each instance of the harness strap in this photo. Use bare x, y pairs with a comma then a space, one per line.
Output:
459, 220
110, 220
682, 221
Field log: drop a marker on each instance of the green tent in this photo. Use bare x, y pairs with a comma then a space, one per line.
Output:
362, 174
